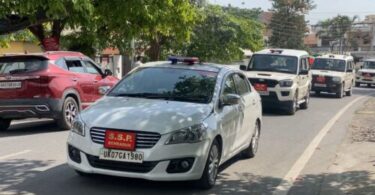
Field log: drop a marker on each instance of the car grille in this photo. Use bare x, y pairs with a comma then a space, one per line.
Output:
145, 140
269, 82
144, 167
328, 79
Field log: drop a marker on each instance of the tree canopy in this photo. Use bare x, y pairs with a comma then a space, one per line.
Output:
222, 33
288, 23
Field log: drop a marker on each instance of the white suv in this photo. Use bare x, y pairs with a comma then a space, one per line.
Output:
281, 76
366, 75
168, 121
334, 74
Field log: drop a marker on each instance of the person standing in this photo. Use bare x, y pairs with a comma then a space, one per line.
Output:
138, 62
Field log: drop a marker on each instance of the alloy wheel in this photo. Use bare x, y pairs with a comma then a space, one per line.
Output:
213, 165
70, 112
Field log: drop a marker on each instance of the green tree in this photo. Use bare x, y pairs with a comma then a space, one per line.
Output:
220, 36
22, 35
288, 23
150, 23
43, 18
334, 30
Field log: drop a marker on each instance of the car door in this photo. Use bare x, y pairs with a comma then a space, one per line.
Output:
303, 79
228, 117
81, 80
96, 76
246, 111
349, 75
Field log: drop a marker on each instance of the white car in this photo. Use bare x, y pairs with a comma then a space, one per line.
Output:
282, 78
333, 74
168, 121
366, 75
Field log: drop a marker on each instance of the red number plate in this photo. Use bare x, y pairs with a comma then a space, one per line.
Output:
120, 140
260, 87
321, 79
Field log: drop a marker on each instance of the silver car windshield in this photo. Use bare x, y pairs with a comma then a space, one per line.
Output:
173, 84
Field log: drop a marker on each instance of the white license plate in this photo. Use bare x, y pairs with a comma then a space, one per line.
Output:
264, 93
320, 85
121, 155
10, 85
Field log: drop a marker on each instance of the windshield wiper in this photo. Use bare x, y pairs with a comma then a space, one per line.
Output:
18, 71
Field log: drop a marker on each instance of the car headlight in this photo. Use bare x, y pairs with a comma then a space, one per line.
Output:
193, 134
336, 79
286, 83
78, 126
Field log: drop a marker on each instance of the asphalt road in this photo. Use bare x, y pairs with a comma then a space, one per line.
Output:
33, 155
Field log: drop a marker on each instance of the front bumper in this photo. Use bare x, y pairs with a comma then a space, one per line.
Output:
330, 87
154, 166
363, 80
278, 97
30, 108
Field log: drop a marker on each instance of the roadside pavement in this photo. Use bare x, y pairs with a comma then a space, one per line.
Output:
353, 170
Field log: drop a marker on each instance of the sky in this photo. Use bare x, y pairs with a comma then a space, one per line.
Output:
324, 8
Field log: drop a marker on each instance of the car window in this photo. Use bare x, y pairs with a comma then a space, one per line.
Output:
304, 64
175, 84
229, 86
15, 65
241, 85
75, 66
274, 63
329, 64
90, 67
61, 63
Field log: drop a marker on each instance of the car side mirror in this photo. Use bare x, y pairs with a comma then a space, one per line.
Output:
304, 72
243, 67
104, 89
108, 72
230, 99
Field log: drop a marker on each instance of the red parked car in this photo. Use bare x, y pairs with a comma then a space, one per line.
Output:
53, 85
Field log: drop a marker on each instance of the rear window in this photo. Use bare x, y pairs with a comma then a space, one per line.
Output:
17, 65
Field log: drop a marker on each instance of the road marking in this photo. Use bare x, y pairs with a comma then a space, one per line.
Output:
14, 154
287, 182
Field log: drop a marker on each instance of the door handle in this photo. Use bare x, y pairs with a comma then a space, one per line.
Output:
74, 79
254, 102
95, 81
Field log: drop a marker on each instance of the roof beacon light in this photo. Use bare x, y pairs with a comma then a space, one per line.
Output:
279, 51
187, 60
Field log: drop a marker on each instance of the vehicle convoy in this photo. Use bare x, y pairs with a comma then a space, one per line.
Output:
333, 74
53, 85
366, 75
281, 76
168, 121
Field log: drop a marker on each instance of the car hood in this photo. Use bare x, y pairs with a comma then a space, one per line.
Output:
327, 73
269, 75
139, 114
367, 70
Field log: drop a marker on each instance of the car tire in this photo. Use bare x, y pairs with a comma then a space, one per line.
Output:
305, 105
208, 179
350, 92
69, 111
251, 151
5, 124
292, 109
340, 94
